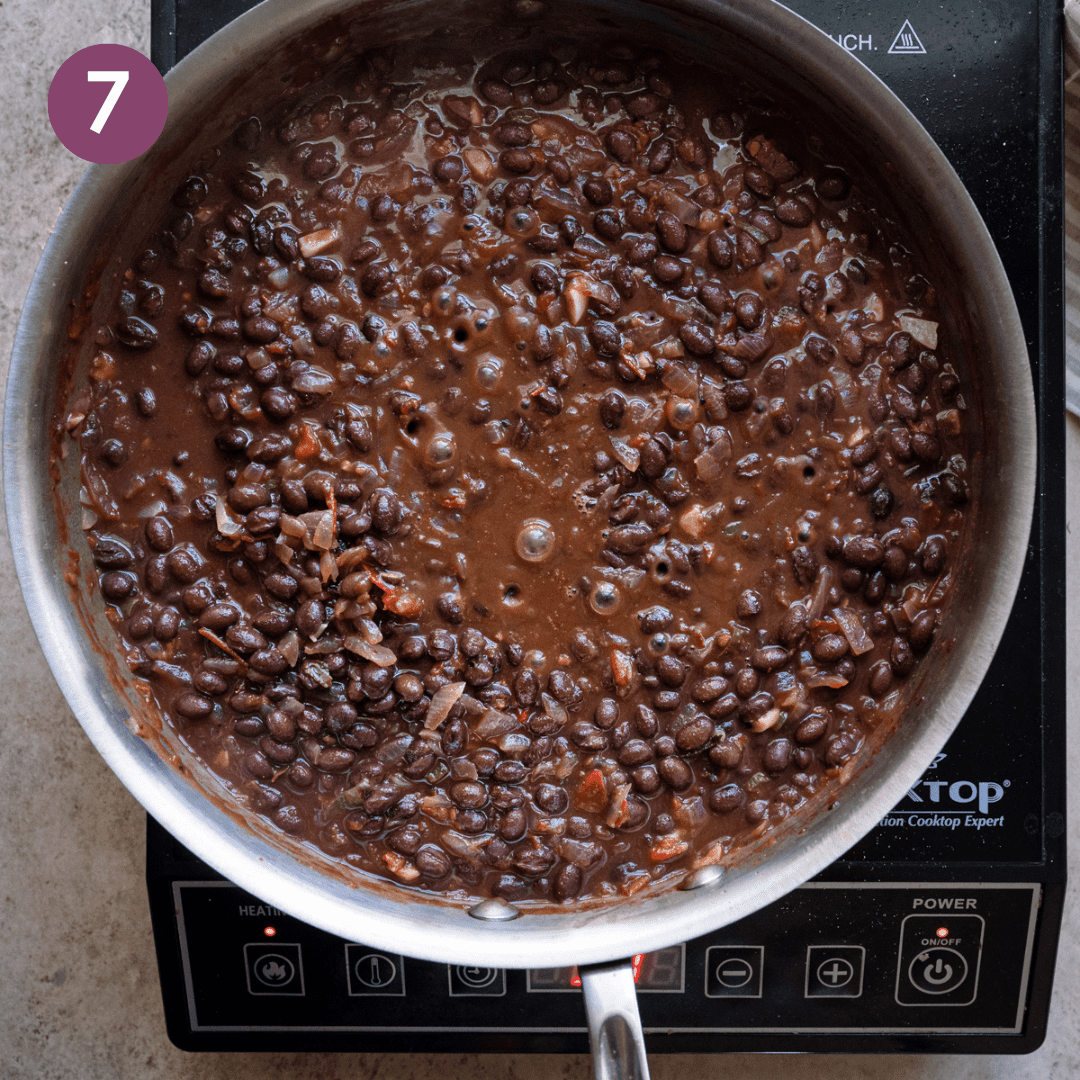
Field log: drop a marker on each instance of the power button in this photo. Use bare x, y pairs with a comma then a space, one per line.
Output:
939, 959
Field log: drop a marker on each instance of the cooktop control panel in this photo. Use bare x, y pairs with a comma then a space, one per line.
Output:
831, 958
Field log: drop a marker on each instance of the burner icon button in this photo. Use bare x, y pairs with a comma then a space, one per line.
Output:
939, 959
467, 980
834, 971
273, 969
374, 974
734, 970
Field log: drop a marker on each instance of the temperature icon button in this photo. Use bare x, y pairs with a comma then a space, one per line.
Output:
374, 974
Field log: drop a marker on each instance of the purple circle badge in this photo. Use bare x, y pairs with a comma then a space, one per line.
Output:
108, 104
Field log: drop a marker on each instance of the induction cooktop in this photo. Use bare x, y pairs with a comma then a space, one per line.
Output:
937, 932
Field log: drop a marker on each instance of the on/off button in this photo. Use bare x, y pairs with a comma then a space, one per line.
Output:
939, 959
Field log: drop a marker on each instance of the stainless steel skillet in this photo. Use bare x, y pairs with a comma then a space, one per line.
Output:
209, 91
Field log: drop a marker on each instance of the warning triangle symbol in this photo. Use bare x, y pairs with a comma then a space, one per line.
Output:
907, 41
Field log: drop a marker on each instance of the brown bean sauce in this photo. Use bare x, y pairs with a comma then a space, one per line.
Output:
532, 481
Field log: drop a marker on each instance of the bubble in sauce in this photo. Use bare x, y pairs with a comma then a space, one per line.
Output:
536, 541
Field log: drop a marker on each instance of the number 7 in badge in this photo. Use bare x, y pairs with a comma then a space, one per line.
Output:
119, 79
108, 104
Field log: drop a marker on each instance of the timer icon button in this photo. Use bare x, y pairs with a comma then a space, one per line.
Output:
938, 970
469, 980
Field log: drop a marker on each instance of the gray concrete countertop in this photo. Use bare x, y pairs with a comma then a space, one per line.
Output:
79, 996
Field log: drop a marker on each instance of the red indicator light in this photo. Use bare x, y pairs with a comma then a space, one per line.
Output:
269, 931
942, 931
575, 977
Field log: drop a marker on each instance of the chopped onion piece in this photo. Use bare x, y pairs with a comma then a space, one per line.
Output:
289, 647
292, 526
689, 812
442, 701
769, 720
400, 867
377, 654
622, 667
687, 212
283, 551
853, 630
826, 678
709, 463
153, 509
826, 580
695, 521
228, 524
465, 847
626, 455
480, 164
922, 330
320, 240
314, 381
618, 809
328, 567
514, 743
582, 853
553, 709
323, 537
713, 853
680, 380
494, 722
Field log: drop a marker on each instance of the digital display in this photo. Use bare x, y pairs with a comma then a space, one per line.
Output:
659, 972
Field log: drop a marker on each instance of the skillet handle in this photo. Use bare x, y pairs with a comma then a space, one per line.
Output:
618, 1046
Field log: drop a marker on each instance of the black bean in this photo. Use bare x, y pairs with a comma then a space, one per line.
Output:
675, 773
111, 553
723, 800
777, 755
568, 881
551, 799
694, 734
811, 728
668, 269
833, 185
672, 232
769, 658
432, 861
671, 671
865, 552
621, 144
900, 657
697, 338
605, 338
455, 738
794, 211
829, 647
933, 555
922, 629
880, 678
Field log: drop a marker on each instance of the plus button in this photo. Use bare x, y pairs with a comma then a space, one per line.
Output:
837, 973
